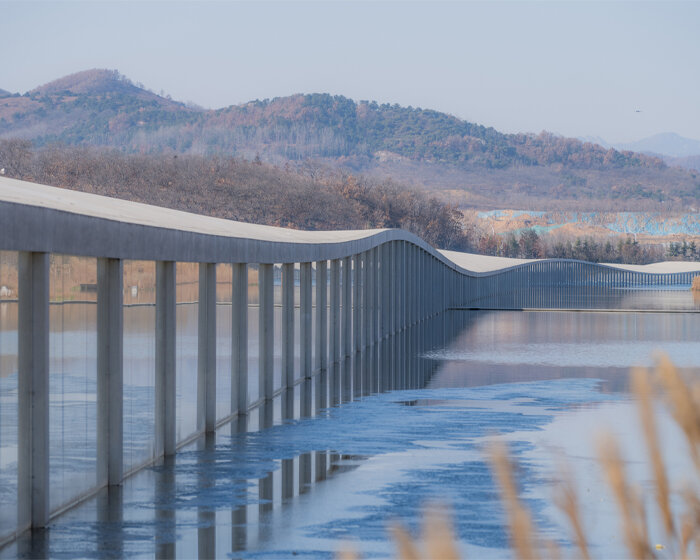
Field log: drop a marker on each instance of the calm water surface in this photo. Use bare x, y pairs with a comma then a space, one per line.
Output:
546, 382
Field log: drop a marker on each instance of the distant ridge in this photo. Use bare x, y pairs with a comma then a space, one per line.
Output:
4, 93
665, 144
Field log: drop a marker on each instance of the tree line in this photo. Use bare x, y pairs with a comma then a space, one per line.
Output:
528, 244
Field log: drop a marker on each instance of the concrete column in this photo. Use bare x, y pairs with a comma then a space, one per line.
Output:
165, 358
206, 356
288, 340
365, 334
393, 293
376, 332
346, 335
321, 355
422, 295
357, 322
266, 327
305, 339
381, 312
399, 275
334, 341
110, 371
383, 308
33, 389
403, 362
288, 325
239, 336
410, 312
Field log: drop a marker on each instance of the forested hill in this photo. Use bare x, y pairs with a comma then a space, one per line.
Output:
429, 148
101, 107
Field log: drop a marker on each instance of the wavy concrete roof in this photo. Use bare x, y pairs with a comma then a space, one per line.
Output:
482, 263
86, 204
36, 217
87, 224
485, 263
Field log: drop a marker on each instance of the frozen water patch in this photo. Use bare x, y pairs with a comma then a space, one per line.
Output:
412, 455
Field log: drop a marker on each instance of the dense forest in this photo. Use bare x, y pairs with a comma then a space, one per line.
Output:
464, 163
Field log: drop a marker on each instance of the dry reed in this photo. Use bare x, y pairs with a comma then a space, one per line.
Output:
695, 286
682, 530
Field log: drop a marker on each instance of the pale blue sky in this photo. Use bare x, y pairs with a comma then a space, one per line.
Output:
575, 68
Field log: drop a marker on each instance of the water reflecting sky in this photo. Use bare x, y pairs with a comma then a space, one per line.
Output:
544, 381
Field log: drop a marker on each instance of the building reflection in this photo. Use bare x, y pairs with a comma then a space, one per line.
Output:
252, 516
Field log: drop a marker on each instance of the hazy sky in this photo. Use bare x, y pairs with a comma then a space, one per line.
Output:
575, 68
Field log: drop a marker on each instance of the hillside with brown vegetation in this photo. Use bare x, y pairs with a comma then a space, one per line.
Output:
465, 163
236, 189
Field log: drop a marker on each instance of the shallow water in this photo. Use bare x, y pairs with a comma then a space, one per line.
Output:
545, 382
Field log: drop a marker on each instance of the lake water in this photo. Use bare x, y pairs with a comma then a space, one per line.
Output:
546, 382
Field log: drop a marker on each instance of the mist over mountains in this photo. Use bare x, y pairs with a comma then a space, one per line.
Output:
673, 148
665, 144
466, 163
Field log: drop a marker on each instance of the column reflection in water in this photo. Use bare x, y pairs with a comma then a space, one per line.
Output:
304, 472
72, 378
110, 529
8, 392
186, 347
253, 333
206, 514
224, 289
265, 484
165, 516
287, 479
239, 515
139, 362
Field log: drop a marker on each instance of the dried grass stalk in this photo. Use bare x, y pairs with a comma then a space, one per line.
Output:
521, 529
641, 386
611, 461
683, 402
438, 535
406, 549
695, 286
438, 538
347, 553
566, 499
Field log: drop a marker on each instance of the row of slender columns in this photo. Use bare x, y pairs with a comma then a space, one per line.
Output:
374, 297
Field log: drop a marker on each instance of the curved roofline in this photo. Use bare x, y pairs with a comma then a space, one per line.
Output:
36, 217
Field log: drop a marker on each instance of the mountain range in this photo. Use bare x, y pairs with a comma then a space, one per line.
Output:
467, 163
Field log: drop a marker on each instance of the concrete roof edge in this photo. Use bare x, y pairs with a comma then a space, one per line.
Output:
37, 217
